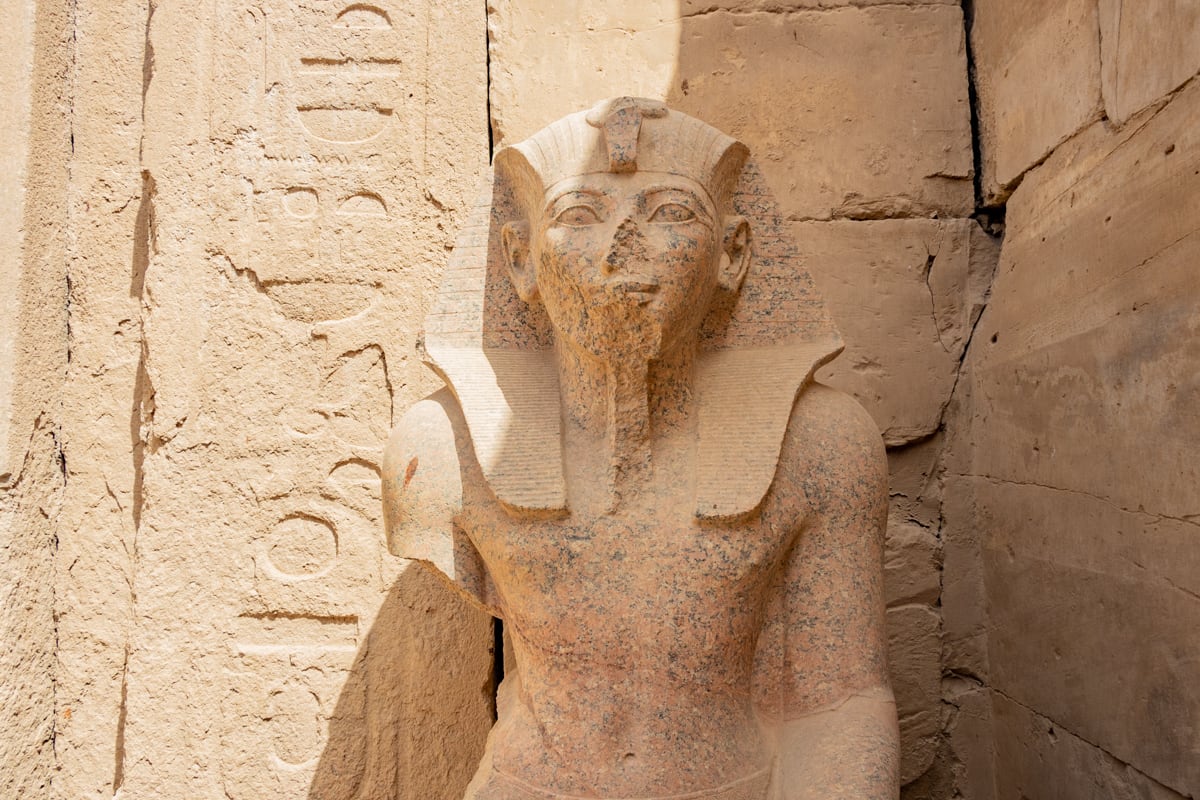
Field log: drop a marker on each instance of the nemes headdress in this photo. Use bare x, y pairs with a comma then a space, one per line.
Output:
625, 134
758, 349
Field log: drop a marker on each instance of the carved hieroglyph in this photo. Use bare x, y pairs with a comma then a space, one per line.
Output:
278, 650
633, 467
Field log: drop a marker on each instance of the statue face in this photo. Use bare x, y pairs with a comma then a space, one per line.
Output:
626, 264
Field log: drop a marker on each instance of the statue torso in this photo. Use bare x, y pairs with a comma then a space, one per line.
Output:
635, 635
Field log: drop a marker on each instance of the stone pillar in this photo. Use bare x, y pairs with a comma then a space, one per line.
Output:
304, 166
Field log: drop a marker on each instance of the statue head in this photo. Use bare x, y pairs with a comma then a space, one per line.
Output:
627, 231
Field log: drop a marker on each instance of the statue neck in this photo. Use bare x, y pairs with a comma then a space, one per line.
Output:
627, 403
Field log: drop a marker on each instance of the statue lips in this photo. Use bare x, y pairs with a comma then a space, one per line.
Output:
640, 289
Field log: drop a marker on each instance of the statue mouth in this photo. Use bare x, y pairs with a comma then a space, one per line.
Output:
636, 288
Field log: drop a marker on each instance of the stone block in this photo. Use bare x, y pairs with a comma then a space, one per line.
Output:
911, 565
920, 739
694, 7
971, 737
1148, 49
1090, 337
1037, 77
913, 481
914, 648
1093, 620
782, 82
551, 59
1044, 761
904, 294
964, 595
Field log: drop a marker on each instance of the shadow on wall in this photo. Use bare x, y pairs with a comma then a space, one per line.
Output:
391, 716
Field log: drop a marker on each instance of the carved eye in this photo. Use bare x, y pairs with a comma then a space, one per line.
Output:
672, 212
578, 215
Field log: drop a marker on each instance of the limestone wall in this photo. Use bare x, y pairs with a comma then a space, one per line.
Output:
1082, 473
34, 148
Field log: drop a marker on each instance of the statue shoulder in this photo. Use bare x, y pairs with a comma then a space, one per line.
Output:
423, 463
426, 464
833, 455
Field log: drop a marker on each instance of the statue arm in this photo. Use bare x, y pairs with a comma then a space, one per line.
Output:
824, 652
423, 472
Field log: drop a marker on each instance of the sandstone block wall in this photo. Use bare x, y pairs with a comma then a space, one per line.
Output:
1080, 475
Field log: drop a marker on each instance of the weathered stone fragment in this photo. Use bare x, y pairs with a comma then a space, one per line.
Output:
1148, 49
1037, 77
906, 293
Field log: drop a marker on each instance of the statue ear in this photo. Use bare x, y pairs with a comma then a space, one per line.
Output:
735, 255
514, 237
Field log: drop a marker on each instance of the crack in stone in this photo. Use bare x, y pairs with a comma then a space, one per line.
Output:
1107, 501
1108, 753
791, 9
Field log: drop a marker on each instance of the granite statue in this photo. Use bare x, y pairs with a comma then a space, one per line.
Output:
633, 467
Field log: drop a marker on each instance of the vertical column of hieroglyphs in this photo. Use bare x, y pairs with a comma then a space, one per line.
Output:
281, 652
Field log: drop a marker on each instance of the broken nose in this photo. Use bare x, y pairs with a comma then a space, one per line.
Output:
624, 244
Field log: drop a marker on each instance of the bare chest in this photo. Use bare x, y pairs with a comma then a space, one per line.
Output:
650, 575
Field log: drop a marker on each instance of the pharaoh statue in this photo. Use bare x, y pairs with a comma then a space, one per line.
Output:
632, 466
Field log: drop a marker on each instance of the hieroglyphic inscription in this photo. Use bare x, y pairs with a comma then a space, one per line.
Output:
293, 241
289, 673
324, 139
343, 80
